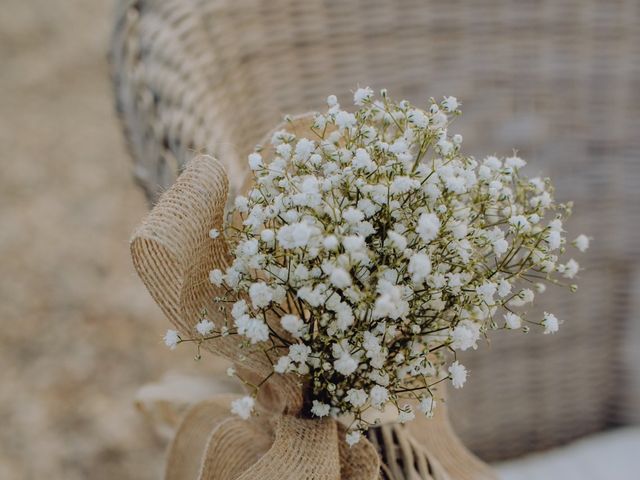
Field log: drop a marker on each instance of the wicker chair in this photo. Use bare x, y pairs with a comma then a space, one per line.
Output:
558, 80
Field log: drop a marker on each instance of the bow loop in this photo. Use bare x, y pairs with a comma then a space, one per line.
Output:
173, 254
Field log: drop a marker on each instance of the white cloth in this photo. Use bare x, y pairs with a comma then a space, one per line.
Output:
614, 455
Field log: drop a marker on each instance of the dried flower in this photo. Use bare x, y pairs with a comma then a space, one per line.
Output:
243, 407
205, 327
171, 339
458, 374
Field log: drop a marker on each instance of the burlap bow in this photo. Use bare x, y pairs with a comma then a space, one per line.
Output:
173, 254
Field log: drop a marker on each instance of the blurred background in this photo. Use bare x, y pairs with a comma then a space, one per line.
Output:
79, 332
559, 81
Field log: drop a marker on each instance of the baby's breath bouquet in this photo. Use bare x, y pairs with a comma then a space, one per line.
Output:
370, 251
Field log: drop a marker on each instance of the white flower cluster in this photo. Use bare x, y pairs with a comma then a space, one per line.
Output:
372, 251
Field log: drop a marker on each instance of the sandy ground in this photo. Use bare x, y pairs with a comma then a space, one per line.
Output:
79, 333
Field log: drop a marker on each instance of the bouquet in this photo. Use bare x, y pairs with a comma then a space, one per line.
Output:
371, 250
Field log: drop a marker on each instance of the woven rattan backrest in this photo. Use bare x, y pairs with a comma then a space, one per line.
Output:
558, 80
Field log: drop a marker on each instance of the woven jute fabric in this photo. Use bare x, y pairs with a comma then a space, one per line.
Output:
211, 445
172, 252
556, 79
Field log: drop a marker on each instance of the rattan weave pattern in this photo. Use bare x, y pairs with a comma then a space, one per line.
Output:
557, 79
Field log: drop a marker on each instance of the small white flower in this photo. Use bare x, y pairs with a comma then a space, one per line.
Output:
484, 172
294, 235
492, 162
247, 249
243, 407
231, 372
171, 339
330, 242
486, 291
252, 328
523, 297
299, 352
419, 267
261, 294
352, 438
554, 239
320, 409
459, 230
439, 120
356, 397
406, 414
313, 297
282, 365
304, 149
504, 288
550, 323
241, 204
340, 278
500, 246
581, 242
428, 226
255, 161
514, 162
280, 136
390, 303
362, 160
570, 269
458, 374
345, 120
239, 309
345, 364
293, 324
512, 320
267, 235
397, 240
367, 207
465, 336
216, 277
427, 406
520, 222
453, 183
205, 327
352, 215
418, 118
214, 233
541, 201
450, 104
379, 396
556, 224
332, 100
353, 244
284, 150
362, 95
399, 146
401, 185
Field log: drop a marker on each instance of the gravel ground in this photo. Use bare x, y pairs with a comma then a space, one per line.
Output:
79, 333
